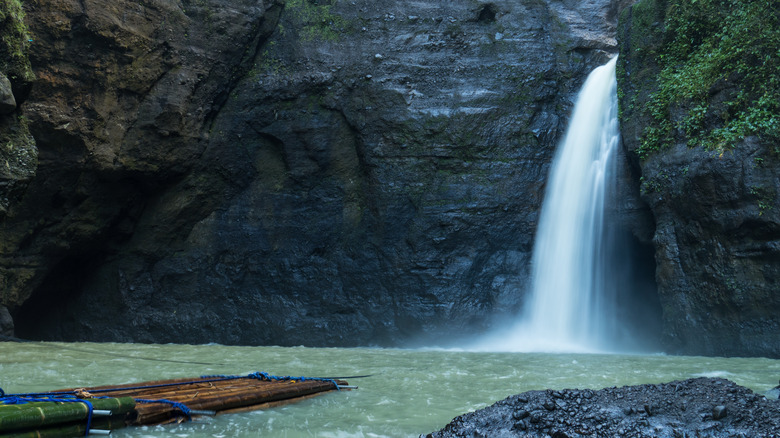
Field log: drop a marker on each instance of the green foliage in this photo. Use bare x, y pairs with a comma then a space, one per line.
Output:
643, 15
719, 74
764, 198
14, 40
316, 21
657, 184
271, 62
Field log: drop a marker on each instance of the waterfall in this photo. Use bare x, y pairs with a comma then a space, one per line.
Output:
572, 302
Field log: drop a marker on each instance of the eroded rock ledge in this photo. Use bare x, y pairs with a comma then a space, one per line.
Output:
702, 407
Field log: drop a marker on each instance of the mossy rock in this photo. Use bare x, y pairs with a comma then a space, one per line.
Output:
15, 41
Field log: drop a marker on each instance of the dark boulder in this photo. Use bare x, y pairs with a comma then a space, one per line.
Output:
703, 407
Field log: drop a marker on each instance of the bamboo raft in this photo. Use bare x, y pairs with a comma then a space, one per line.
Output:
97, 410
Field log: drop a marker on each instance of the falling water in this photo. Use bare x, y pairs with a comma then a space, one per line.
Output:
571, 306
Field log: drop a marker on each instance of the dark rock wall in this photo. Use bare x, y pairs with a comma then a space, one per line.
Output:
300, 172
717, 221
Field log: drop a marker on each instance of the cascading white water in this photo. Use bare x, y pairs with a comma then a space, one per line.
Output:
571, 307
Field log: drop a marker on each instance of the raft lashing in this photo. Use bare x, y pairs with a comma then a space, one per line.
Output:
97, 410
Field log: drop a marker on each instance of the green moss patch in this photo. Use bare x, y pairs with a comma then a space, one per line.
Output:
14, 41
315, 20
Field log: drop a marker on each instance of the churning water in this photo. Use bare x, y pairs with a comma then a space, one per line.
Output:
410, 392
572, 302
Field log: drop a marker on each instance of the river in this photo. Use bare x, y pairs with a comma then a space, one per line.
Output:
409, 392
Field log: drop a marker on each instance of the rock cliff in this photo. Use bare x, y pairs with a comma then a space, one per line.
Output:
700, 118
288, 172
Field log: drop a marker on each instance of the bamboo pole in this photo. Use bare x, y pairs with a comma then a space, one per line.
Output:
269, 405
222, 400
184, 393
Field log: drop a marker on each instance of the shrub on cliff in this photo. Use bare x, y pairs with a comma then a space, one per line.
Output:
719, 75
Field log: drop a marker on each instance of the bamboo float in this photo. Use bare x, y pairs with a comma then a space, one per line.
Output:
44, 413
62, 419
208, 394
158, 402
69, 429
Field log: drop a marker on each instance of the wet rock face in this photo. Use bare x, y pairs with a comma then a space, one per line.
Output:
717, 225
7, 99
700, 407
6, 323
18, 154
717, 249
299, 172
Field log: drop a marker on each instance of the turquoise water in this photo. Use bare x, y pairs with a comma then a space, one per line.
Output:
410, 391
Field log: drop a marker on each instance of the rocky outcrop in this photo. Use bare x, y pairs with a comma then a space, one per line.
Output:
7, 99
715, 204
289, 172
702, 407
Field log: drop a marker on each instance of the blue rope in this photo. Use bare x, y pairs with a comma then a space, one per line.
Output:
20, 399
267, 377
180, 406
259, 375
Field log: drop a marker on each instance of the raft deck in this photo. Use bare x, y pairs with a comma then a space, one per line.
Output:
156, 402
